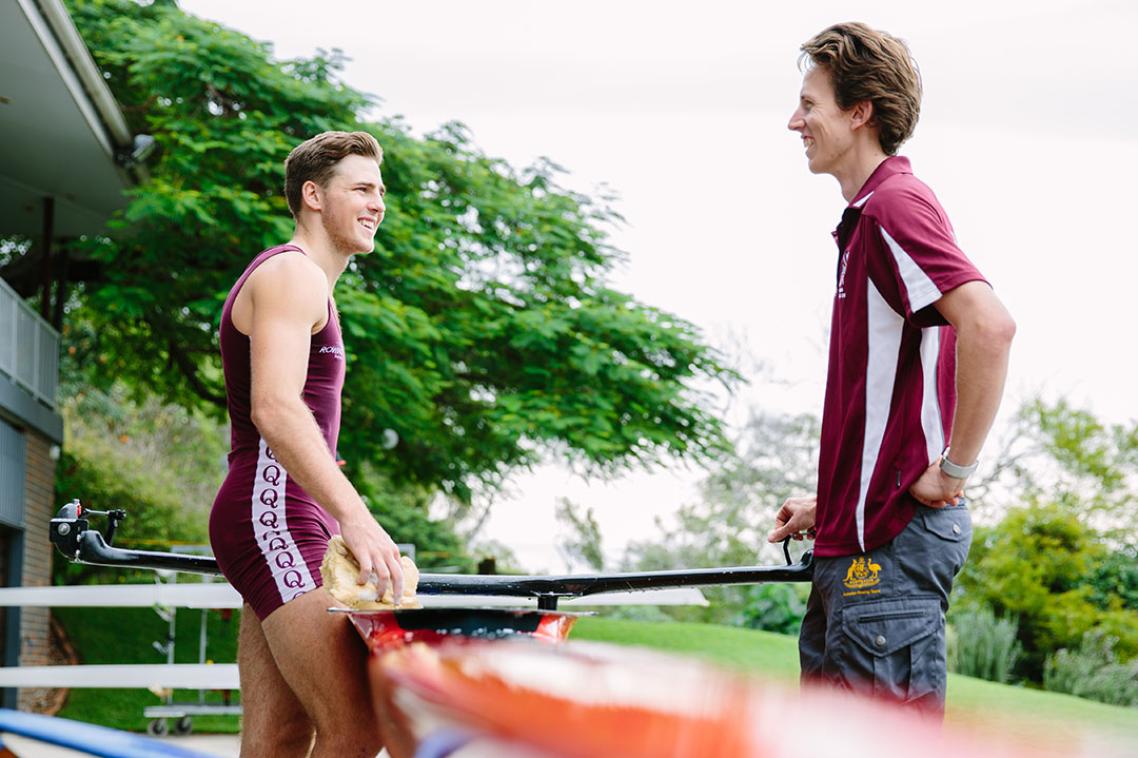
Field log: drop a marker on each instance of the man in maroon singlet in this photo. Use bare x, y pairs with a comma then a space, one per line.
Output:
919, 347
303, 671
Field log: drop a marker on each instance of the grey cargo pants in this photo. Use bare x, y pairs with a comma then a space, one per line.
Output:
875, 621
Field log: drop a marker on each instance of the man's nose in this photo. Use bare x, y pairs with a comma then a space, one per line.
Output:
795, 122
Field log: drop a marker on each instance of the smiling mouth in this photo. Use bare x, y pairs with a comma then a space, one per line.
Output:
368, 224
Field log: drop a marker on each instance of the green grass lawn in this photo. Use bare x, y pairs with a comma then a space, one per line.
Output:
986, 706
125, 636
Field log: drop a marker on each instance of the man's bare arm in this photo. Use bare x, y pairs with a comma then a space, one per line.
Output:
984, 332
289, 297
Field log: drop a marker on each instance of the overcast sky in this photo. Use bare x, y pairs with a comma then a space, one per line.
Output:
1028, 136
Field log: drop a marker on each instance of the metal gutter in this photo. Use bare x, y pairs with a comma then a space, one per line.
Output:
65, 33
57, 33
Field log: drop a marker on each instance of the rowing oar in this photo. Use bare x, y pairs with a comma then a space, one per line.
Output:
73, 535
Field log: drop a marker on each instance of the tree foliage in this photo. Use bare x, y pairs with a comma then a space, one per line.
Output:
481, 330
160, 463
983, 646
1063, 562
584, 543
776, 607
728, 525
1094, 671
1037, 568
1057, 453
1043, 568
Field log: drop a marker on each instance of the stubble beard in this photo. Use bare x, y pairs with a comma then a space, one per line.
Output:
345, 244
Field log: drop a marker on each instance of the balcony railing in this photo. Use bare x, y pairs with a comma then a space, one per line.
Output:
29, 347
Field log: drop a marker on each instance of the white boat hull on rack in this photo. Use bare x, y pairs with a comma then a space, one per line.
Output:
220, 595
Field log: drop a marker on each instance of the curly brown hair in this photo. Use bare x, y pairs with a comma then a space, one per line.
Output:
867, 64
315, 159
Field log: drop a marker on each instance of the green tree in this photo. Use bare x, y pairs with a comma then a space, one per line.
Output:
159, 462
1037, 569
481, 332
1054, 452
584, 543
1115, 580
1062, 563
728, 525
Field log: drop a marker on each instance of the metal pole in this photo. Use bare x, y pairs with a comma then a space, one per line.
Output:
171, 637
45, 266
201, 649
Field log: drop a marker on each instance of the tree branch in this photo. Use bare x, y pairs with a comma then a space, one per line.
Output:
189, 370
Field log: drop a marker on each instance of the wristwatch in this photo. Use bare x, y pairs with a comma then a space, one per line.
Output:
954, 470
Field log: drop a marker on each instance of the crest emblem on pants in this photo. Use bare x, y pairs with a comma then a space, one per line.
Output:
863, 573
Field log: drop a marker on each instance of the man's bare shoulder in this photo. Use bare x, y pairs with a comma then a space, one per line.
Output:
290, 281
288, 266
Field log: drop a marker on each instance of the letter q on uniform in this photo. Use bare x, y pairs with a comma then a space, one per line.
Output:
272, 475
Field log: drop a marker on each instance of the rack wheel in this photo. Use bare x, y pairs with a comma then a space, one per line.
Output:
184, 725
157, 728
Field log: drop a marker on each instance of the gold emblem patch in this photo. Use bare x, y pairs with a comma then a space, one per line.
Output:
862, 573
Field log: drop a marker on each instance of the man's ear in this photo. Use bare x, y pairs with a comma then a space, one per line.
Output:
312, 196
861, 114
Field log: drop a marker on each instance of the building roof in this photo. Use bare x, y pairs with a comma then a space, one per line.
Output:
63, 134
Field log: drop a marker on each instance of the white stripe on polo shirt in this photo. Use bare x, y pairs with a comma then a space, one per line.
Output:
919, 287
931, 421
884, 343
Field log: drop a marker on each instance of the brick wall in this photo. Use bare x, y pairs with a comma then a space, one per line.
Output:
39, 504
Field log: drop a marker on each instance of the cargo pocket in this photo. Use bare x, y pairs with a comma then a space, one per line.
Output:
952, 525
900, 646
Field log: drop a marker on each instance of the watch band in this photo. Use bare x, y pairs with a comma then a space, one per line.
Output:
955, 470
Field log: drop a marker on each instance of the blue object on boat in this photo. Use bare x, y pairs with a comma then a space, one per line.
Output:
88, 738
443, 743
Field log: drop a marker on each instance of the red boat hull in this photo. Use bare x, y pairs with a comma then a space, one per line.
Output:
499, 683
386, 632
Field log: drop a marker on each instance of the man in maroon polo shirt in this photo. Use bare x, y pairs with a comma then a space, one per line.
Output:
919, 349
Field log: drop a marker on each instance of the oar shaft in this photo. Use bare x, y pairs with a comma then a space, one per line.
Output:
85, 545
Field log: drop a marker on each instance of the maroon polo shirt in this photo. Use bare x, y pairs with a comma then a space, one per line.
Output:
890, 390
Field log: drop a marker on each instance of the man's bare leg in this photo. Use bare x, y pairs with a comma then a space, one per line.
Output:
325, 664
274, 722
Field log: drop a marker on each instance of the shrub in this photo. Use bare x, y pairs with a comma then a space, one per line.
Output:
776, 607
983, 646
1093, 671
1038, 567
1115, 580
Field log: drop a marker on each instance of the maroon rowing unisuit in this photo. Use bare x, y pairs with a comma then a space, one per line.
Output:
267, 533
890, 391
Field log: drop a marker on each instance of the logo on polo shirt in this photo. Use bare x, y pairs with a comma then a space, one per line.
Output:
863, 573
842, 275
